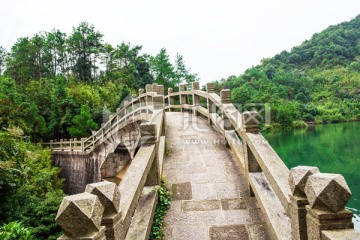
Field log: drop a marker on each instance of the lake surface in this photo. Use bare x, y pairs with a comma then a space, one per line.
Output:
333, 148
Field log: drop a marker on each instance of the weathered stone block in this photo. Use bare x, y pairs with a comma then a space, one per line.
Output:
298, 177
108, 194
182, 87
80, 215
225, 96
160, 89
148, 88
250, 121
148, 133
195, 86
328, 192
210, 88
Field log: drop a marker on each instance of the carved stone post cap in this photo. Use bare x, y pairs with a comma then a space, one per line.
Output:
80, 215
133, 96
154, 87
126, 103
250, 121
182, 87
108, 194
170, 90
148, 88
327, 192
210, 88
160, 89
141, 91
195, 86
225, 96
298, 177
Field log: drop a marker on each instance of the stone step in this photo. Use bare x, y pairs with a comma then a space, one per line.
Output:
143, 217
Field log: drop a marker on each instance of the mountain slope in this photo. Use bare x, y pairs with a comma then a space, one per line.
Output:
316, 81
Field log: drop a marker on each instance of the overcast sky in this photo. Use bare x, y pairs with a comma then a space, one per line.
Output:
216, 38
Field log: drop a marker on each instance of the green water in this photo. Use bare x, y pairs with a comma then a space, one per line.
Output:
333, 148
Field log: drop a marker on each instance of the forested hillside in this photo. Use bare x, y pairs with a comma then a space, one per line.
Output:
318, 81
53, 86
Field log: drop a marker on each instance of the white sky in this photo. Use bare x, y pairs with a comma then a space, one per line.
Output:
216, 38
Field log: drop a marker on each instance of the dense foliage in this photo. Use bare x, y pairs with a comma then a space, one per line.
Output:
163, 204
31, 189
318, 81
57, 86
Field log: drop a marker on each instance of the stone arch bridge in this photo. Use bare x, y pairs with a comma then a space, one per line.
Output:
226, 180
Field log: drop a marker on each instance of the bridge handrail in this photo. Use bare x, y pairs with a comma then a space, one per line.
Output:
138, 104
267, 176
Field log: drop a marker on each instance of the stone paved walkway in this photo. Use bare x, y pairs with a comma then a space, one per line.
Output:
209, 200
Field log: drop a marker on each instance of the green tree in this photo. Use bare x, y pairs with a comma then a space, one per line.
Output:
82, 123
163, 70
2, 59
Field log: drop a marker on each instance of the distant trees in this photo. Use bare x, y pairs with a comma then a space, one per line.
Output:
317, 81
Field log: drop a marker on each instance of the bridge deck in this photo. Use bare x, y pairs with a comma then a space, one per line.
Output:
210, 200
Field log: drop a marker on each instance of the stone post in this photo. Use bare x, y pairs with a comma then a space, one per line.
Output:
297, 211
225, 96
210, 88
61, 144
109, 196
250, 121
183, 98
51, 145
154, 87
80, 217
170, 99
211, 107
158, 102
196, 98
126, 103
195, 86
141, 91
83, 144
160, 89
148, 88
327, 195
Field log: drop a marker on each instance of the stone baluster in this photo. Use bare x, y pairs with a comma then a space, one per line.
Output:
327, 195
210, 105
210, 88
225, 96
183, 98
160, 89
250, 121
102, 130
297, 211
148, 88
154, 87
109, 196
196, 98
80, 217
83, 144
170, 99
126, 103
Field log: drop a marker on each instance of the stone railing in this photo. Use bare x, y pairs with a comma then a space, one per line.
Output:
300, 202
139, 108
108, 211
